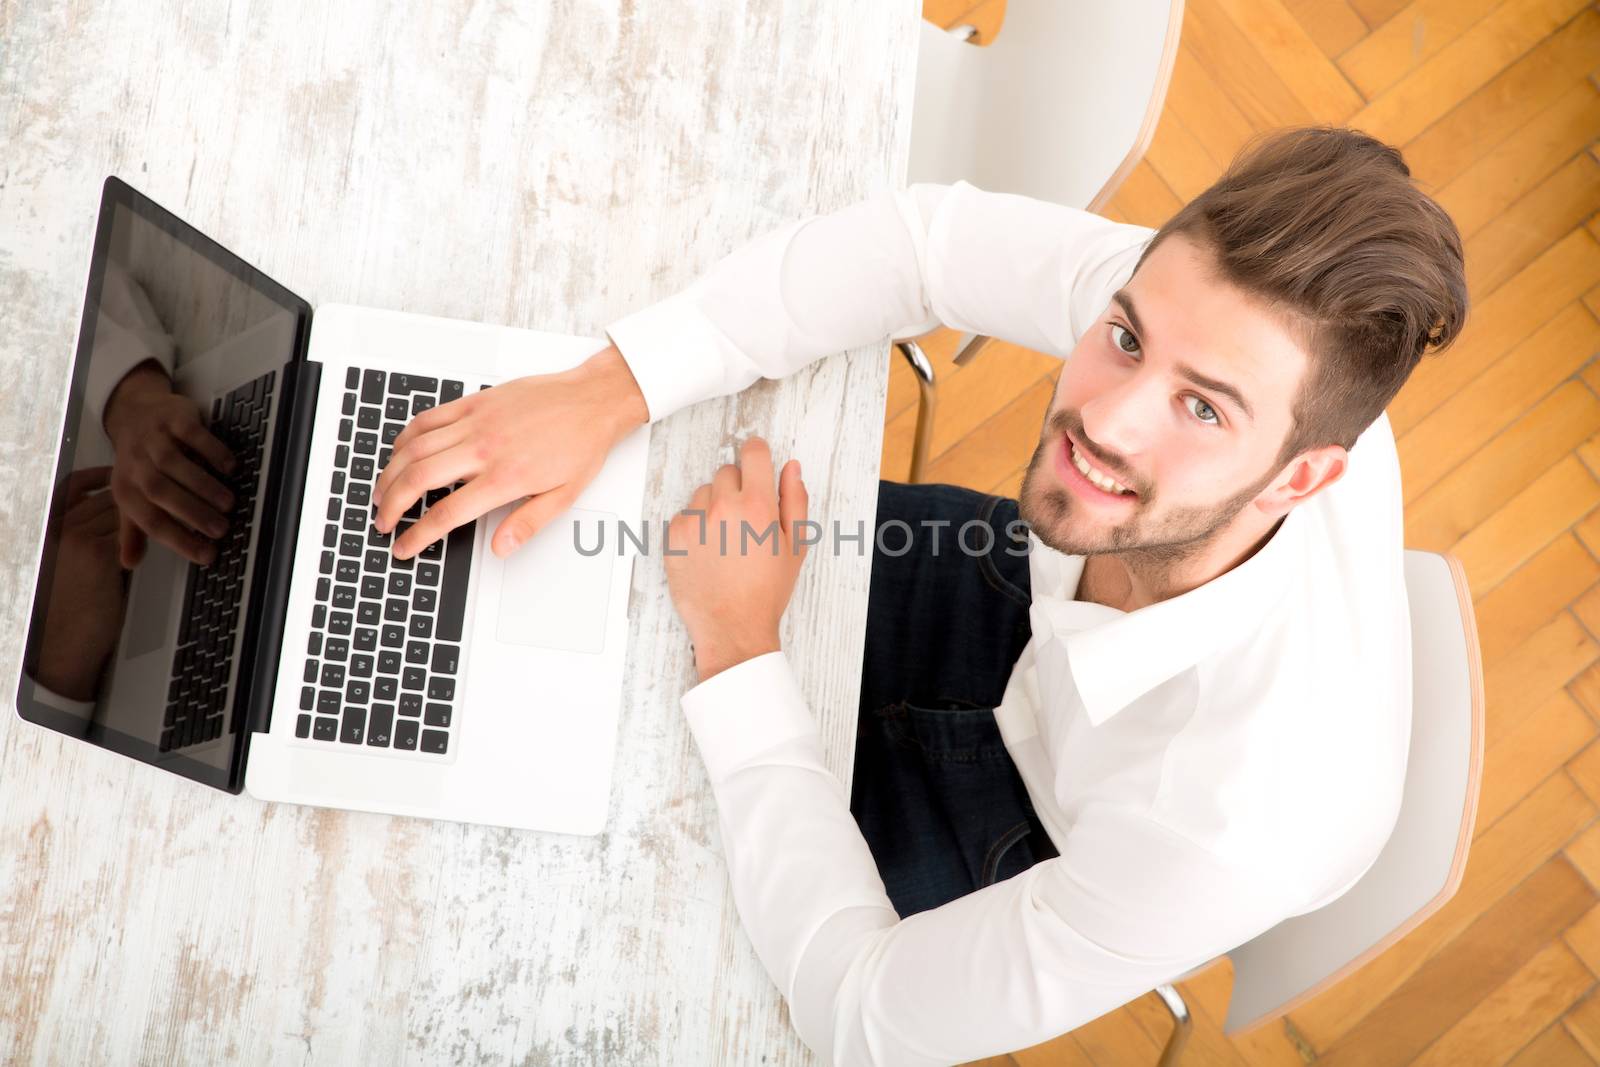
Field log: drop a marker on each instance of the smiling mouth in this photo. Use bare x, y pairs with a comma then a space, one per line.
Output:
1087, 478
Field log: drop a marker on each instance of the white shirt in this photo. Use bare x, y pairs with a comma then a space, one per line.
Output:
1206, 766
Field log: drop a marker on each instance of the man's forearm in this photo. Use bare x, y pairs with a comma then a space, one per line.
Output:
144, 379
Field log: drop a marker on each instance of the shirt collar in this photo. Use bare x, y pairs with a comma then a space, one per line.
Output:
1116, 657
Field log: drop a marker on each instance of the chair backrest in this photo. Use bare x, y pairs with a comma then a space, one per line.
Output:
1060, 107
1421, 865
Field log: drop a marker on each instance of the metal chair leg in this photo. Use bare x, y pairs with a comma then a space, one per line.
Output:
1181, 1024
925, 405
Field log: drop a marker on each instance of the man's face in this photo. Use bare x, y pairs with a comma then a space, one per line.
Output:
1132, 404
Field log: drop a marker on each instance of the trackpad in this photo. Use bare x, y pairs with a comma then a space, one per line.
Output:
552, 594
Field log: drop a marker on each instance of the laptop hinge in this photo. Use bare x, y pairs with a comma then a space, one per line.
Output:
279, 529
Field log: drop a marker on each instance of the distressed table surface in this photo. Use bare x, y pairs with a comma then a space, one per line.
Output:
549, 165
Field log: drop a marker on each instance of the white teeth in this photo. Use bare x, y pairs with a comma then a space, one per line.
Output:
1108, 484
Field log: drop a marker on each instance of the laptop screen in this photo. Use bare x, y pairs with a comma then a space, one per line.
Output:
140, 612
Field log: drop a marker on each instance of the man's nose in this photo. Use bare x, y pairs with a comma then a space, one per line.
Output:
1120, 421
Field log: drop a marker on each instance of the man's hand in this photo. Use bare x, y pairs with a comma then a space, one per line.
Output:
544, 436
159, 487
731, 569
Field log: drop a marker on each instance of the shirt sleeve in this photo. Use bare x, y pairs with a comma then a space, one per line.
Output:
127, 333
896, 265
1128, 905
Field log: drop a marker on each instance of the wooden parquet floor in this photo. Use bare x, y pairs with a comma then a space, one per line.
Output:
1496, 106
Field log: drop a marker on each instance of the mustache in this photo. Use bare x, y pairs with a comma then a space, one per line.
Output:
1067, 424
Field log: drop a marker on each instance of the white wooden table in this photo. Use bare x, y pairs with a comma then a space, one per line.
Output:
551, 165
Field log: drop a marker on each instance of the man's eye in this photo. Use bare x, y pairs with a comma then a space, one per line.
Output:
1210, 416
1124, 339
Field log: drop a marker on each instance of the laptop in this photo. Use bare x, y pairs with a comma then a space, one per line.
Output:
305, 663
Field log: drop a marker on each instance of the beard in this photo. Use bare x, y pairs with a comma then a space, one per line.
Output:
1157, 539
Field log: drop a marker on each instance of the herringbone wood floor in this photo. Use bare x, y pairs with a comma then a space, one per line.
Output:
1496, 106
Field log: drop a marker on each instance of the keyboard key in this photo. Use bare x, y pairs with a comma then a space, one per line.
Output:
361, 666
421, 626
395, 609
308, 698
450, 390
337, 649
354, 726
362, 468
349, 570
326, 729
352, 377
328, 702
437, 715
414, 679
346, 428
330, 535
399, 584
369, 418
332, 675
411, 704
385, 687
319, 617
391, 430
366, 444
340, 622
341, 457
434, 551
377, 560
302, 726
425, 600
326, 566
396, 408
441, 689
311, 670
352, 545
417, 652
366, 639
393, 636
357, 693
453, 588
405, 735
435, 741
444, 659
428, 574
367, 614
344, 596
389, 662
355, 520
420, 403
372, 387
379, 725
384, 456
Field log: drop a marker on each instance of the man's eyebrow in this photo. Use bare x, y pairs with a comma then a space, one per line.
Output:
1222, 388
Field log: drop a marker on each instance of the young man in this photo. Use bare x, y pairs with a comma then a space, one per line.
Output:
1095, 752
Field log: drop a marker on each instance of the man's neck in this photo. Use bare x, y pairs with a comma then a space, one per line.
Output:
1129, 581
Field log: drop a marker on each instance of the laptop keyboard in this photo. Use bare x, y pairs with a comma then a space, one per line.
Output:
385, 648
197, 696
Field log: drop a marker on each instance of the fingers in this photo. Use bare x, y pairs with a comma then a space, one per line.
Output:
432, 419
407, 476
726, 481
101, 521
173, 486
793, 499
193, 434
459, 508
87, 508
530, 518
130, 542
755, 460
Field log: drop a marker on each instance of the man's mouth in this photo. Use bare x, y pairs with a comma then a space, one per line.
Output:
1086, 480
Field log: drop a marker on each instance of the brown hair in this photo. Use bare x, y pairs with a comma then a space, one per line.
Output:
1325, 225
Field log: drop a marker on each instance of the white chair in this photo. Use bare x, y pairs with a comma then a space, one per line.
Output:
1422, 863
1060, 107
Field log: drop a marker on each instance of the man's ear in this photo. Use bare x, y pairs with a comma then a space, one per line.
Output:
1304, 477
